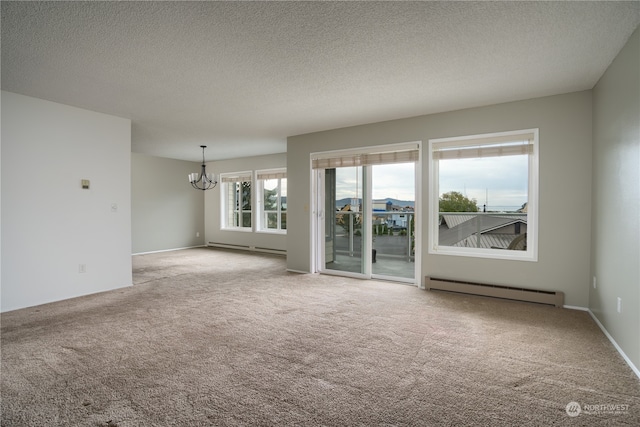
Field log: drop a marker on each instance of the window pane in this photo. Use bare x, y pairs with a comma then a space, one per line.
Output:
498, 182
483, 202
231, 205
283, 219
246, 196
246, 219
274, 199
283, 194
272, 220
270, 194
236, 196
236, 200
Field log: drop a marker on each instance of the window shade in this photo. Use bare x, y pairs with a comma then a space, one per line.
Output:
493, 146
486, 151
272, 175
236, 178
367, 159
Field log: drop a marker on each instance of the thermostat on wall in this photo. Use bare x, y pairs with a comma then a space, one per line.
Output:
85, 184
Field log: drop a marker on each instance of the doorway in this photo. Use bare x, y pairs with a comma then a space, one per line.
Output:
366, 225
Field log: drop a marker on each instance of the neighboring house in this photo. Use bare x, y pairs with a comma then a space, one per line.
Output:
394, 216
385, 214
496, 231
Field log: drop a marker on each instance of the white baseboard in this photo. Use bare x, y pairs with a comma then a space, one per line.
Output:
297, 271
169, 250
615, 344
247, 248
575, 307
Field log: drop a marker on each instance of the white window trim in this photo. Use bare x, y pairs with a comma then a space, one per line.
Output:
259, 194
531, 254
224, 226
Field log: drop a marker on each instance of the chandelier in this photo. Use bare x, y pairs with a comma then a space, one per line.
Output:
204, 180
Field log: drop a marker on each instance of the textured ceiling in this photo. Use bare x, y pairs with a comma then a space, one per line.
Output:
242, 76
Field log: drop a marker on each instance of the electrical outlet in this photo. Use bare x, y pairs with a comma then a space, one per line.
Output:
197, 234
594, 282
619, 305
82, 268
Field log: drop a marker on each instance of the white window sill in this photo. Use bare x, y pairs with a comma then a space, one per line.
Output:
528, 255
240, 229
278, 232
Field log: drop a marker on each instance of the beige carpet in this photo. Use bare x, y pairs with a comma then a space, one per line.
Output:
212, 337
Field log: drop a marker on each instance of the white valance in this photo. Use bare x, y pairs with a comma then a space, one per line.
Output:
497, 145
365, 159
236, 178
272, 174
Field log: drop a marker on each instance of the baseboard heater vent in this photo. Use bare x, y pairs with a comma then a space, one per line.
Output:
247, 248
497, 291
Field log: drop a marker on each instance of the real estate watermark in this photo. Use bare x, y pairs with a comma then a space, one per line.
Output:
573, 409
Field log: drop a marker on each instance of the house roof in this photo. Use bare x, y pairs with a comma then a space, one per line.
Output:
240, 77
455, 220
465, 226
487, 241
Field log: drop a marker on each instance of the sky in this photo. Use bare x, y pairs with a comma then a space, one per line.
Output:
502, 182
396, 181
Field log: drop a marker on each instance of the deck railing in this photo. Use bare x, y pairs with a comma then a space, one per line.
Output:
393, 234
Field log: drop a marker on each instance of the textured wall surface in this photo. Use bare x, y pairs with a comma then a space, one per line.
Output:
242, 76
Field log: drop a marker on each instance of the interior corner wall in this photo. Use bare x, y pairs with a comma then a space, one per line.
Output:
166, 212
616, 202
214, 233
50, 225
565, 161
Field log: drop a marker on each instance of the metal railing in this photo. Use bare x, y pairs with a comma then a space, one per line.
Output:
386, 227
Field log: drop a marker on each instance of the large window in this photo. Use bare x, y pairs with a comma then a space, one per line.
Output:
484, 195
236, 201
272, 193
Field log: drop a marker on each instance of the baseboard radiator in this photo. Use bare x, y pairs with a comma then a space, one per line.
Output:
247, 248
497, 291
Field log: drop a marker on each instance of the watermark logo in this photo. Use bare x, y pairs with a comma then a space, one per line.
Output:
573, 409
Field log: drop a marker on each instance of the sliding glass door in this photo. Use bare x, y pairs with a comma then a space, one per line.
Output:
345, 236
393, 220
366, 225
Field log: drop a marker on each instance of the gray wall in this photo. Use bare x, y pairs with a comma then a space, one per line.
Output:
565, 188
214, 233
167, 213
616, 202
50, 225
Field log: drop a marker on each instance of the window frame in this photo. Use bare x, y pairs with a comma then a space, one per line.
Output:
234, 178
531, 254
260, 216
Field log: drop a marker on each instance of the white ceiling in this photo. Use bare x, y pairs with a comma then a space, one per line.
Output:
242, 76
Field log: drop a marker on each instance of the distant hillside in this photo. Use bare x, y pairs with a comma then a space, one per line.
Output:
340, 203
